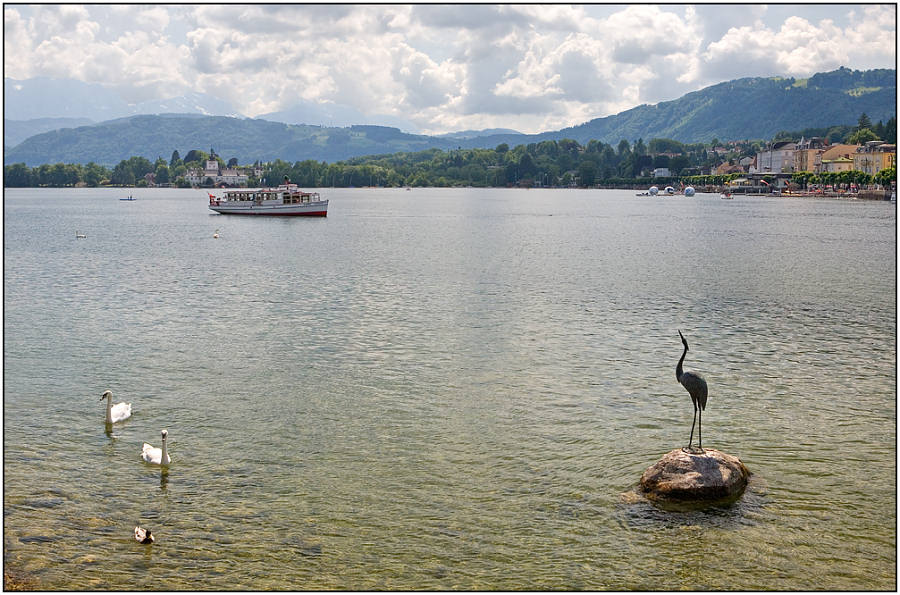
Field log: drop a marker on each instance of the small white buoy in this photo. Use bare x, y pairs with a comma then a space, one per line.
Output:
142, 535
116, 412
157, 456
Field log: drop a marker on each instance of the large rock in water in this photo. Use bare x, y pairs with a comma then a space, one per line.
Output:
680, 476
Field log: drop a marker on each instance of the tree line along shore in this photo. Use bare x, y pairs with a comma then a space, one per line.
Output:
550, 163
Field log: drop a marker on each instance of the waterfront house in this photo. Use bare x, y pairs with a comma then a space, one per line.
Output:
211, 172
835, 165
231, 177
728, 168
875, 156
836, 158
778, 158
807, 156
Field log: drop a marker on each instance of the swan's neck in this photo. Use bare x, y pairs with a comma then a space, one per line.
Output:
678, 369
164, 457
108, 410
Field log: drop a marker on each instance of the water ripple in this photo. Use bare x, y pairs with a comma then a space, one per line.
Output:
447, 391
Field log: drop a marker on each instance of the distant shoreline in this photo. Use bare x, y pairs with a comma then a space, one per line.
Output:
877, 195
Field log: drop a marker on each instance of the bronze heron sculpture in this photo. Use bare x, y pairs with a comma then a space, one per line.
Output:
696, 386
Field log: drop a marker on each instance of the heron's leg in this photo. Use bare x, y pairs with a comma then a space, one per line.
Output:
700, 430
691, 439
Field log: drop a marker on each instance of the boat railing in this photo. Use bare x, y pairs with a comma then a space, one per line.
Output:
269, 196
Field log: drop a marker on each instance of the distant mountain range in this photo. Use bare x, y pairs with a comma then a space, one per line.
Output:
749, 108
334, 115
15, 131
464, 134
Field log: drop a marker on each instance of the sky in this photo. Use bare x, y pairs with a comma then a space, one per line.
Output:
443, 68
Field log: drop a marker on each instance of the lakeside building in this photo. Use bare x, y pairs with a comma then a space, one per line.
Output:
778, 158
836, 158
817, 156
729, 168
875, 156
212, 171
808, 155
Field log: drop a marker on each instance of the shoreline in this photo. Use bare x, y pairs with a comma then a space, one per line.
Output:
876, 195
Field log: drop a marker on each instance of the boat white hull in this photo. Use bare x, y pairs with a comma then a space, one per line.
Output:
310, 209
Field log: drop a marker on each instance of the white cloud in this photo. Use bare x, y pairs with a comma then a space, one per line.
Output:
797, 49
871, 38
801, 48
426, 83
16, 39
531, 67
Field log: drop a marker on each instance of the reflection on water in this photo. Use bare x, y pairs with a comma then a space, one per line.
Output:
447, 389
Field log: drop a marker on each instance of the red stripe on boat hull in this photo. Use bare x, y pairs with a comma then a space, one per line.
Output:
275, 213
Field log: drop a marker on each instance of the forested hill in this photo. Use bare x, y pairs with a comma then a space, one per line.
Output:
750, 108
107, 143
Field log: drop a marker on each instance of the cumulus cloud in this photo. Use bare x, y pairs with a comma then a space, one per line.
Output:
800, 47
426, 83
531, 67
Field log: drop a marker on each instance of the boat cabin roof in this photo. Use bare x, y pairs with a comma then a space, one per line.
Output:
293, 189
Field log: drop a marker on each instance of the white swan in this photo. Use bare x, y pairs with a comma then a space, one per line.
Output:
157, 456
116, 412
143, 535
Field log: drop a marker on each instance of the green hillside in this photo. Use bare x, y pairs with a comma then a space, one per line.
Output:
107, 143
750, 108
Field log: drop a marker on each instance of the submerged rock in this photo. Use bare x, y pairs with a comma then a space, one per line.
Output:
682, 476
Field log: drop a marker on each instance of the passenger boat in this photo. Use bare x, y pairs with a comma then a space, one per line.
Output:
286, 200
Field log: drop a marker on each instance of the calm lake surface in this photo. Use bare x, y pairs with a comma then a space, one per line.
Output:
446, 389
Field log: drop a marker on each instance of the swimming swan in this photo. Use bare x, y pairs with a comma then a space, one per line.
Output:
157, 456
116, 412
143, 535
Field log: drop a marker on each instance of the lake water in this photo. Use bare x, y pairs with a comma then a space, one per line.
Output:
446, 389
